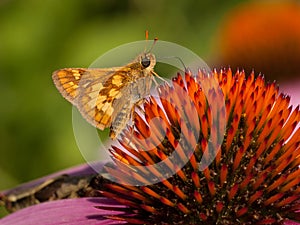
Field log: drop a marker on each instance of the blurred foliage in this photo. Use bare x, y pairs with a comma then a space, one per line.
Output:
38, 37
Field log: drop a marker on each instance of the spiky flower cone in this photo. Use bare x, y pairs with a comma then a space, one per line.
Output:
254, 177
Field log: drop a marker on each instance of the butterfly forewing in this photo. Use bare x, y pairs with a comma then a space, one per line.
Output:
91, 91
70, 80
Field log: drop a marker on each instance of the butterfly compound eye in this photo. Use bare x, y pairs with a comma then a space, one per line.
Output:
145, 62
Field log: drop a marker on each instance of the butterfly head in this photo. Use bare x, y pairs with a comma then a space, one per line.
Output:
147, 61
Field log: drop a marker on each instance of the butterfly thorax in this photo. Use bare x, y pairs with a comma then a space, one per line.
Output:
137, 90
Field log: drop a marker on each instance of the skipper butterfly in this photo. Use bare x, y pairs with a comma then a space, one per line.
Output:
107, 97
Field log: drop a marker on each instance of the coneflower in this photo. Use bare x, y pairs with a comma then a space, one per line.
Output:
253, 177
237, 161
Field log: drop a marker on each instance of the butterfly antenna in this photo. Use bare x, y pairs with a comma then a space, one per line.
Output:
147, 38
155, 40
147, 34
178, 58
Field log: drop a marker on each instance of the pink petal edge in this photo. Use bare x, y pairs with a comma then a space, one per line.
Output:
289, 222
292, 89
80, 211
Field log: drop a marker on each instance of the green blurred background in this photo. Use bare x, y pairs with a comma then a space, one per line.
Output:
38, 37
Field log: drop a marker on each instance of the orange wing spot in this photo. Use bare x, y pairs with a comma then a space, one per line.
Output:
75, 71
99, 105
68, 85
97, 117
77, 76
101, 99
106, 106
98, 120
64, 80
105, 119
117, 80
61, 73
113, 92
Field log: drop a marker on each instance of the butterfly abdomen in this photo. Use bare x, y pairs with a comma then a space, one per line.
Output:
120, 121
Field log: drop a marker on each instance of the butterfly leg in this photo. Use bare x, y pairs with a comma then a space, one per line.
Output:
159, 77
133, 115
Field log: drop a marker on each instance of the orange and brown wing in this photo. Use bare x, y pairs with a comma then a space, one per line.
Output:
93, 91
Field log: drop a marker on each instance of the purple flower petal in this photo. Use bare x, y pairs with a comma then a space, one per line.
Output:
289, 222
69, 211
293, 90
